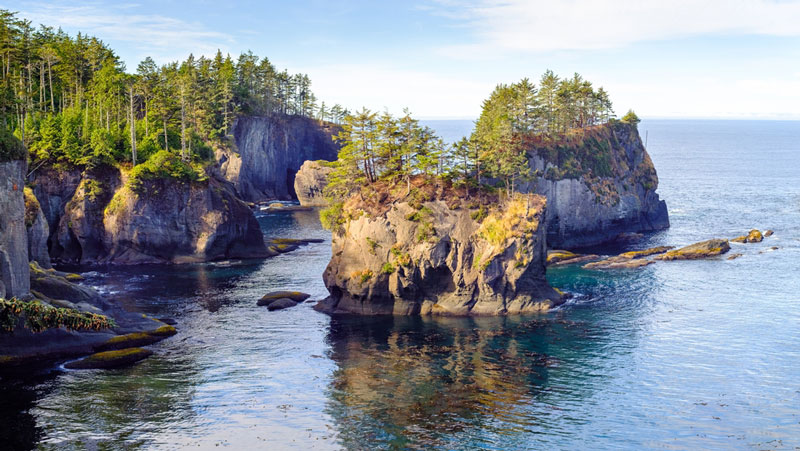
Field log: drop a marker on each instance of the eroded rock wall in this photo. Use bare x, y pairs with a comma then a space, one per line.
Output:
269, 152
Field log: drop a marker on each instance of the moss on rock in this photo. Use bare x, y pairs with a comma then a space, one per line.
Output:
701, 250
110, 359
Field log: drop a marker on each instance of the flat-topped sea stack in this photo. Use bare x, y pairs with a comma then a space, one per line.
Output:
599, 183
440, 254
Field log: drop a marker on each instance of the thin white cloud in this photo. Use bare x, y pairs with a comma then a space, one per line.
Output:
163, 38
546, 25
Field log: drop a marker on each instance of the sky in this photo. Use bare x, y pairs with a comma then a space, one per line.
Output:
441, 58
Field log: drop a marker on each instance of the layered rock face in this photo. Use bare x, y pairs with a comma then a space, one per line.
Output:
96, 218
180, 223
38, 230
599, 183
14, 272
309, 183
434, 259
269, 151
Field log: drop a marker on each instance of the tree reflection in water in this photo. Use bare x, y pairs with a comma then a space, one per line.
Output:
421, 382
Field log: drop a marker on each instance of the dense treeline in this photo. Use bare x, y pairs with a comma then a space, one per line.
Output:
70, 99
383, 148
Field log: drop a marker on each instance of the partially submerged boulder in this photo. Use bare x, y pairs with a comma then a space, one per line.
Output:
703, 249
295, 296
768, 233
280, 304
110, 359
755, 236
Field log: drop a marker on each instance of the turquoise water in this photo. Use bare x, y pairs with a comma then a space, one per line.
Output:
677, 355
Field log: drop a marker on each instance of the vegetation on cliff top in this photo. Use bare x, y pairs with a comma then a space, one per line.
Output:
71, 102
11, 148
40, 317
380, 153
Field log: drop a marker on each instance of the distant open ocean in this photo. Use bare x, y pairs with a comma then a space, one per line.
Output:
676, 355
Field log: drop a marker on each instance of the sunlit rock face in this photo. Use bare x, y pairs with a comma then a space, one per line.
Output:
269, 152
599, 183
440, 259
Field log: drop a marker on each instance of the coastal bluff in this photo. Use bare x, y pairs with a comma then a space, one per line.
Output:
443, 256
599, 183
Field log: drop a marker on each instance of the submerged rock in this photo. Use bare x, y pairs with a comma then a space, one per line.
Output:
618, 263
280, 304
768, 233
734, 256
137, 339
703, 249
309, 183
435, 258
110, 359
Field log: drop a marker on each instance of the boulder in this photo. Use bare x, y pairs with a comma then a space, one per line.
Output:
646, 252
768, 233
440, 257
739, 239
701, 250
295, 296
755, 236
309, 183
734, 256
280, 304
110, 359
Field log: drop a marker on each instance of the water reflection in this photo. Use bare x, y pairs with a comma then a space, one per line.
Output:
423, 382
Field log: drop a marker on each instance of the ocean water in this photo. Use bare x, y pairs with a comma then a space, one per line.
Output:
676, 355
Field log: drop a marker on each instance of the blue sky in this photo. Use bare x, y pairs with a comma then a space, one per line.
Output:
441, 58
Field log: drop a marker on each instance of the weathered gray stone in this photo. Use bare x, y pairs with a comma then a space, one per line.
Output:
14, 272
270, 150
393, 263
309, 183
280, 304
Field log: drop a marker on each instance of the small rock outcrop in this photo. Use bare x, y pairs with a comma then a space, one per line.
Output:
295, 296
701, 250
562, 257
600, 183
270, 150
433, 258
309, 183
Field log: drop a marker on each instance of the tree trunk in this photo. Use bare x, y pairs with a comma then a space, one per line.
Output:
133, 131
183, 126
166, 142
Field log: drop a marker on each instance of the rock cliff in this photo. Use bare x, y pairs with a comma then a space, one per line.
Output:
269, 151
309, 183
95, 217
14, 272
599, 183
38, 231
440, 257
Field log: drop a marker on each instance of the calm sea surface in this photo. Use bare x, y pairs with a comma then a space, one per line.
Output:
677, 355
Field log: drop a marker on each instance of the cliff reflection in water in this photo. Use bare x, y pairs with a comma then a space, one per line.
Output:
430, 381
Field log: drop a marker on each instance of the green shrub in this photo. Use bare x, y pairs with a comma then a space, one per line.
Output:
11, 148
387, 268
40, 317
163, 165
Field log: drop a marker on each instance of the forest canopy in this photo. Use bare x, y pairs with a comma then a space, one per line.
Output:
70, 99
